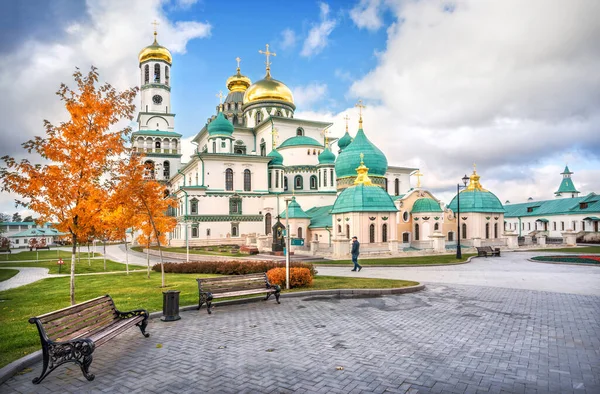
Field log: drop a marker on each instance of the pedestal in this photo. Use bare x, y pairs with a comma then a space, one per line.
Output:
476, 242
541, 240
341, 247
528, 240
393, 245
439, 242
314, 247
569, 237
512, 240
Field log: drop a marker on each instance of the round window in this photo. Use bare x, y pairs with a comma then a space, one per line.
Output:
405, 216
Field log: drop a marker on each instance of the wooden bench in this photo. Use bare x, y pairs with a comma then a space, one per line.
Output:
485, 251
71, 334
234, 285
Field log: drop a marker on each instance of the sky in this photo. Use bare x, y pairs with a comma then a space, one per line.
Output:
512, 86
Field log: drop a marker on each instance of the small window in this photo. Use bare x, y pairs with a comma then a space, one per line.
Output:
464, 231
396, 187
384, 233
268, 224
530, 209
299, 232
298, 182
487, 231
554, 226
167, 75
234, 230
372, 233
157, 144
405, 238
146, 74
436, 227
247, 180
325, 178
259, 117
299, 131
348, 231
562, 226
405, 216
229, 179
339, 228
278, 113
194, 206
208, 232
194, 232
583, 205
450, 236
157, 73
285, 183
313, 182
417, 232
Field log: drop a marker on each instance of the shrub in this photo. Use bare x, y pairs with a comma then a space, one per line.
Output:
299, 277
230, 267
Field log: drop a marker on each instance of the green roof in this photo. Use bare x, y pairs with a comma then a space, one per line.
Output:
477, 201
38, 232
326, 157
344, 141
320, 217
361, 198
560, 206
276, 158
566, 186
156, 133
395, 198
295, 211
426, 205
220, 126
349, 160
566, 171
300, 140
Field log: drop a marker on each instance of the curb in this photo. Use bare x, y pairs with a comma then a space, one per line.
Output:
399, 265
13, 368
563, 263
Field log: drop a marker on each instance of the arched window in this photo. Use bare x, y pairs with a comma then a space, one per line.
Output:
384, 233
247, 180
298, 182
436, 227
396, 187
229, 179
285, 183
149, 169
314, 152
464, 231
313, 182
167, 75
194, 232
146, 74
234, 230
157, 73
194, 206
214, 147
263, 147
259, 117
496, 229
450, 236
325, 178
487, 230
278, 113
299, 131
331, 176
208, 232
308, 152
299, 232
385, 183
167, 170
268, 224
417, 236
157, 144
372, 233
348, 231
405, 238
339, 228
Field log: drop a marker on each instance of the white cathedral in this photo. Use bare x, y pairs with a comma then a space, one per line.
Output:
252, 155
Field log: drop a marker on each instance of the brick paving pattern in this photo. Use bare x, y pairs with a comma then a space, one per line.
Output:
446, 339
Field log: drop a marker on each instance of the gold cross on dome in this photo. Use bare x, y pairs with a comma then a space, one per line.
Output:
220, 96
325, 133
474, 167
418, 174
360, 107
237, 59
155, 23
362, 156
346, 118
275, 134
267, 53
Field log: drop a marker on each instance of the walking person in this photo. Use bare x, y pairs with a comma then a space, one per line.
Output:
355, 252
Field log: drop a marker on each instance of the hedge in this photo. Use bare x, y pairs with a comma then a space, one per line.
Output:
299, 277
230, 267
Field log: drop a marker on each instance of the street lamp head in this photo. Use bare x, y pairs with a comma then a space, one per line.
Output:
465, 179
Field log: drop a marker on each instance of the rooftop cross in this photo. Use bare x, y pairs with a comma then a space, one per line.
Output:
267, 53
220, 96
360, 107
418, 174
155, 23
474, 168
237, 59
347, 118
275, 134
324, 133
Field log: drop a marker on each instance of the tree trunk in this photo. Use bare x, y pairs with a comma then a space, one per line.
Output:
162, 266
126, 256
105, 255
148, 256
73, 258
89, 261
79, 254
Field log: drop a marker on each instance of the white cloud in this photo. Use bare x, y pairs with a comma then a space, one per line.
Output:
343, 75
305, 96
318, 35
288, 39
367, 14
185, 4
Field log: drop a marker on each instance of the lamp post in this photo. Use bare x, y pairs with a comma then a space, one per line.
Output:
287, 244
465, 179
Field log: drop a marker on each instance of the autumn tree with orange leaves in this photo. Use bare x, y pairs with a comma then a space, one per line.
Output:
82, 153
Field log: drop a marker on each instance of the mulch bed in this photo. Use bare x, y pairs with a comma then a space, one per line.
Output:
578, 259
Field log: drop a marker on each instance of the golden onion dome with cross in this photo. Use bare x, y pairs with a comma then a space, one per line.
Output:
155, 51
268, 88
238, 82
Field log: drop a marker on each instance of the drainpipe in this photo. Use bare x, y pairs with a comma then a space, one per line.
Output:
329, 231
519, 226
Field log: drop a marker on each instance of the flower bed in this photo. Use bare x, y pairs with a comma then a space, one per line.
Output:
577, 259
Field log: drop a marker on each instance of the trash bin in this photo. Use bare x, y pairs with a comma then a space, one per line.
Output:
170, 305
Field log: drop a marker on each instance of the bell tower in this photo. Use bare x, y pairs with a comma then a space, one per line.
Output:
156, 137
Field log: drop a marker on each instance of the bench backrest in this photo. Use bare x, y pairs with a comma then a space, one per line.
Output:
226, 284
78, 320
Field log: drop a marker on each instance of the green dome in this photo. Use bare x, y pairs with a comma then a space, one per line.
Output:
276, 158
349, 159
363, 198
295, 211
326, 157
220, 126
344, 141
477, 199
300, 140
426, 205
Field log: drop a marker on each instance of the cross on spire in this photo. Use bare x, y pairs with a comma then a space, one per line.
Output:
418, 174
360, 107
155, 23
237, 59
324, 133
347, 118
474, 168
274, 135
267, 53
220, 96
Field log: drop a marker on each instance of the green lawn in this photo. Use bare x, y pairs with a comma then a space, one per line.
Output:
578, 250
7, 274
18, 337
42, 255
82, 267
416, 260
203, 251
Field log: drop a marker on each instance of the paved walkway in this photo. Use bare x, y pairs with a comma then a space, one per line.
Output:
452, 339
512, 270
24, 277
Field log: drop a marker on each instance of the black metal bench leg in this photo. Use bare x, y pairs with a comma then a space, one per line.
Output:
209, 306
85, 367
142, 325
45, 371
267, 297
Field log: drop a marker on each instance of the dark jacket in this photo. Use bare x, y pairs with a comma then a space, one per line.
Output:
355, 248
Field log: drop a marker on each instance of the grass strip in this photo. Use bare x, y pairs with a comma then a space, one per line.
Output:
19, 338
82, 267
578, 250
415, 260
43, 255
6, 274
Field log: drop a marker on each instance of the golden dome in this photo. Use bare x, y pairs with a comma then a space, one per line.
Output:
155, 52
268, 89
238, 82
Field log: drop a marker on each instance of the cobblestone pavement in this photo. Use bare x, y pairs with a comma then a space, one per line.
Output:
24, 277
512, 270
451, 339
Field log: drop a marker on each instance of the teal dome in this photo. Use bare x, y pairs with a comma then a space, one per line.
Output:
326, 157
426, 205
295, 211
344, 141
300, 140
363, 198
477, 199
349, 159
276, 158
220, 126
